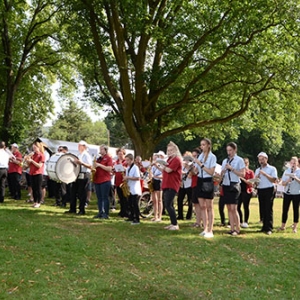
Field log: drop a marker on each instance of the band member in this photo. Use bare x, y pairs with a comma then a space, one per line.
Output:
124, 210
186, 187
4, 159
246, 194
36, 170
133, 180
268, 176
45, 181
80, 186
206, 164
15, 172
171, 182
233, 168
291, 183
102, 181
156, 195
195, 153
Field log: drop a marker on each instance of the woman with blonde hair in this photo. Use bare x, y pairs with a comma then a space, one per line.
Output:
171, 182
291, 183
36, 170
206, 164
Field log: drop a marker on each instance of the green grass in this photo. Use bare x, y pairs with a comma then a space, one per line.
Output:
45, 254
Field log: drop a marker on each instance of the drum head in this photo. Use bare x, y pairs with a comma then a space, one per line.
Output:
66, 169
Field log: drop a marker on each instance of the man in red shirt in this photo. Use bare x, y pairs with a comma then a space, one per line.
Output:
15, 172
102, 181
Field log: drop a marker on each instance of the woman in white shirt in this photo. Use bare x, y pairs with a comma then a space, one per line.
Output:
206, 164
291, 183
233, 168
133, 180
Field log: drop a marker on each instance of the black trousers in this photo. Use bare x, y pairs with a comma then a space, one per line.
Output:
168, 197
14, 185
133, 201
79, 190
3, 176
287, 199
36, 184
266, 199
221, 209
124, 208
245, 200
180, 198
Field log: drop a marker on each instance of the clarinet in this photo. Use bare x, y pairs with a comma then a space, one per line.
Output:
289, 184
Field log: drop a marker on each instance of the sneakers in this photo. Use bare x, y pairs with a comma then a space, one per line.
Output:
36, 205
135, 223
269, 232
157, 220
244, 225
173, 227
208, 235
167, 227
203, 233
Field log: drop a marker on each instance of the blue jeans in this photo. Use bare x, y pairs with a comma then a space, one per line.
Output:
102, 192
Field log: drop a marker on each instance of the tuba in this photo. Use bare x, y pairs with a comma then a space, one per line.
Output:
125, 188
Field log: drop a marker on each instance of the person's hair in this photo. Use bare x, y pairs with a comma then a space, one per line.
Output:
197, 150
2, 145
104, 147
208, 142
232, 145
40, 146
130, 156
187, 153
173, 145
246, 159
296, 159
65, 148
121, 150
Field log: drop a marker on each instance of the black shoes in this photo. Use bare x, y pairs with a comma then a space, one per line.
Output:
70, 212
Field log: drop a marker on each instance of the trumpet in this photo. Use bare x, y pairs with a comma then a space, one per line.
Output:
25, 163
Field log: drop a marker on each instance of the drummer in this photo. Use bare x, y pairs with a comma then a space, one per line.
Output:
80, 186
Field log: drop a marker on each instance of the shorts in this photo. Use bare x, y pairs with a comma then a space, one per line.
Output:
156, 184
200, 193
45, 181
229, 196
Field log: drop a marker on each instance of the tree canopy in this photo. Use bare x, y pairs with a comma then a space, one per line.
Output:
166, 67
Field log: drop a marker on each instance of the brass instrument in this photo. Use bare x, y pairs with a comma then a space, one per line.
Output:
150, 181
25, 163
125, 188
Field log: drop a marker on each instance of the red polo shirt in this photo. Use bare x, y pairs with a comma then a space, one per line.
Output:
119, 175
39, 158
102, 175
15, 168
172, 180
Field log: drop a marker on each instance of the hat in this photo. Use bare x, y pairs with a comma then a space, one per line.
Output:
15, 145
263, 154
82, 143
160, 153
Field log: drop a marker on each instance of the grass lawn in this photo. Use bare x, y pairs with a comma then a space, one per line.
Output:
45, 254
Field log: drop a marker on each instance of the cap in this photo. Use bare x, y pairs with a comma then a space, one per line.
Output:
160, 153
15, 145
263, 154
82, 143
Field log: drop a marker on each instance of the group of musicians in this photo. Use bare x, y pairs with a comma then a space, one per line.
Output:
193, 174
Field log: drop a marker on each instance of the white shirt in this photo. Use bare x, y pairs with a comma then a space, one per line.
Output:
187, 183
293, 187
264, 181
134, 185
210, 162
86, 158
156, 172
4, 159
47, 157
238, 164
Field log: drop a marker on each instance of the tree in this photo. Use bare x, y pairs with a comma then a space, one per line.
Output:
29, 61
74, 124
166, 67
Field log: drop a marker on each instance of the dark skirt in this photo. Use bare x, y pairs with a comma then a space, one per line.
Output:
229, 196
194, 195
156, 184
200, 193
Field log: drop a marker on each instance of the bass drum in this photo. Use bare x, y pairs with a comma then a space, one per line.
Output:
61, 167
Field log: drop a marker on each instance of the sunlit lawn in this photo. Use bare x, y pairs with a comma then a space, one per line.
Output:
45, 254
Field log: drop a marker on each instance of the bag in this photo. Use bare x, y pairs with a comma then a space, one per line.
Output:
207, 187
235, 187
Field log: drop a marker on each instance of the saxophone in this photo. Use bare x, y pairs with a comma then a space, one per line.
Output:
125, 188
150, 181
93, 169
